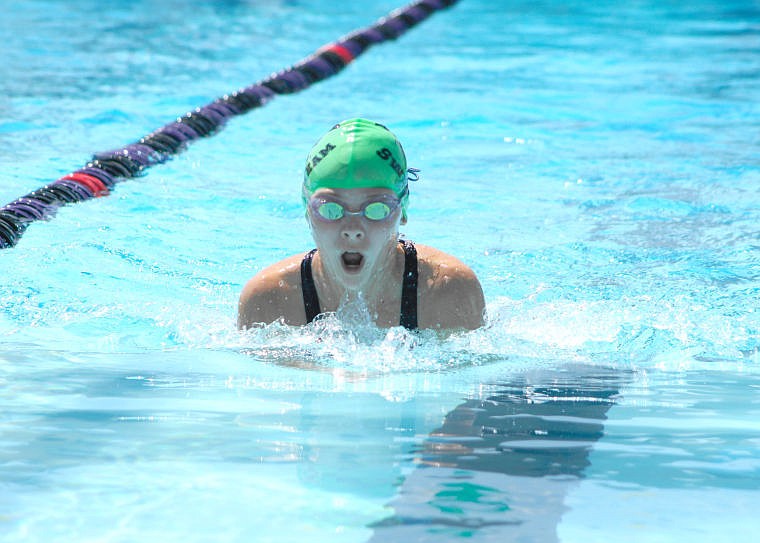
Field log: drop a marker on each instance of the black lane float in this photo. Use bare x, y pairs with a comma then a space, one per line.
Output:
106, 169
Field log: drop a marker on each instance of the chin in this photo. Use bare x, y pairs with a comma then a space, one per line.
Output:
355, 281
360, 280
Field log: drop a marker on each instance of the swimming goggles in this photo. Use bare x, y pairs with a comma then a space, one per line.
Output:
374, 210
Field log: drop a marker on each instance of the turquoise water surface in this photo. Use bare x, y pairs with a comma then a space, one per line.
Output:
596, 164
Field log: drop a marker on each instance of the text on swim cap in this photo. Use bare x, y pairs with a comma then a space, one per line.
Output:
385, 154
318, 156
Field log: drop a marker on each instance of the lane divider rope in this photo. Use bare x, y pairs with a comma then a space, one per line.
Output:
106, 169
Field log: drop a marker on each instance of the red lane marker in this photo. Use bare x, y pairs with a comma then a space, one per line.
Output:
93, 183
342, 52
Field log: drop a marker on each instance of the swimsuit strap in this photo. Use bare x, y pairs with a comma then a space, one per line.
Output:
409, 287
308, 289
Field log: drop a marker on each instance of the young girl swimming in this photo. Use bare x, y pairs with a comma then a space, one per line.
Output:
356, 194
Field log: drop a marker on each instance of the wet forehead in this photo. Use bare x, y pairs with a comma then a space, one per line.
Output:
354, 197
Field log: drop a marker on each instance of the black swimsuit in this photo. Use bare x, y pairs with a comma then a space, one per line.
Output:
408, 287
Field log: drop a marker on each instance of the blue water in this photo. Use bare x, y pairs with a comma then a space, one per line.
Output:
596, 164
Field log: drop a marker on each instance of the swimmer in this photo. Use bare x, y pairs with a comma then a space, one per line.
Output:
356, 194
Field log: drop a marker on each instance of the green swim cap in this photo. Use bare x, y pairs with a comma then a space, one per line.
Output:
357, 153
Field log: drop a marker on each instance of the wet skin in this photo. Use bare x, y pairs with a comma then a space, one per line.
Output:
359, 257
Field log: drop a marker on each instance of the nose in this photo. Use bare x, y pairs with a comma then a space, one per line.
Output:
352, 230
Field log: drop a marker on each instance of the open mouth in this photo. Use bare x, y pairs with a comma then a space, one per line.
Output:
352, 262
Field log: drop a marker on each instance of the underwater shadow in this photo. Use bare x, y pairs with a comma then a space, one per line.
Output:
500, 466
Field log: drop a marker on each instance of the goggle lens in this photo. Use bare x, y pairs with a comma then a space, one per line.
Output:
331, 211
377, 211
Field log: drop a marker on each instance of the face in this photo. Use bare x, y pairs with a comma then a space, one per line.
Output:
356, 247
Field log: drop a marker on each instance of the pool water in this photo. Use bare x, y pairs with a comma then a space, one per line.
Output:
596, 164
